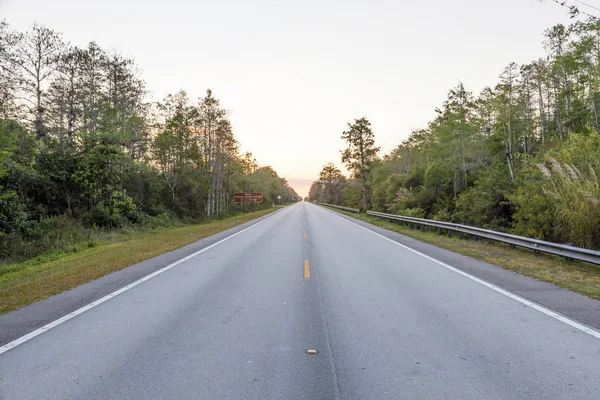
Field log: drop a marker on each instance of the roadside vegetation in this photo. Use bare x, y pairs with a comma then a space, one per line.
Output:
577, 276
522, 156
86, 157
26, 282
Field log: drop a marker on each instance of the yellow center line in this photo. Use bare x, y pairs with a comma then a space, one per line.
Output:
306, 269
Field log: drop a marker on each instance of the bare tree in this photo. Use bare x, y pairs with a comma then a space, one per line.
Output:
65, 106
37, 52
209, 116
7, 70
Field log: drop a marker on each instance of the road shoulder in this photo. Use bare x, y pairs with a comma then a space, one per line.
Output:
33, 316
566, 302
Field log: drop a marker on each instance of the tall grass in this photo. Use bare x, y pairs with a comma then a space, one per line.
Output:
53, 237
576, 198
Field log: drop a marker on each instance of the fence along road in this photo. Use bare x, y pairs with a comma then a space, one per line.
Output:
567, 251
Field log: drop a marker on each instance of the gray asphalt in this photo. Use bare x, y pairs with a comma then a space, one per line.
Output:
17, 323
235, 322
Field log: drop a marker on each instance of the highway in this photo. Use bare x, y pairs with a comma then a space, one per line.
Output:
236, 321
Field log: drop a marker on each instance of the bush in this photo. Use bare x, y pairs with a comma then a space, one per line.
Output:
53, 233
484, 204
534, 210
225, 215
442, 215
413, 212
103, 217
558, 196
163, 220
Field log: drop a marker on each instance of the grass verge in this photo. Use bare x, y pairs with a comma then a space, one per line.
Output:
25, 283
577, 276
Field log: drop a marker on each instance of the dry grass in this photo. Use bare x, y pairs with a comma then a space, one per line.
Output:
577, 276
32, 281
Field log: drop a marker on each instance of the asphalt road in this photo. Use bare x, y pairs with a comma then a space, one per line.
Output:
235, 322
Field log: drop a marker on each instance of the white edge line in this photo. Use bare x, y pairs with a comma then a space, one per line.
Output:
93, 304
535, 306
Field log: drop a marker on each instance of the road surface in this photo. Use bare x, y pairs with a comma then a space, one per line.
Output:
236, 321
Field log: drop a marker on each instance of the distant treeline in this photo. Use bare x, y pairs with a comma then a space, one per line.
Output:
81, 147
522, 156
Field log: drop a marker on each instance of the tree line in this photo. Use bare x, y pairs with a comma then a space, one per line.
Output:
521, 156
82, 147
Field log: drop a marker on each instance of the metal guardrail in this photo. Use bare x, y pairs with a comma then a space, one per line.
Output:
354, 210
569, 252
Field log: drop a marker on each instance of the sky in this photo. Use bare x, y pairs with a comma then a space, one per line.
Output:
294, 73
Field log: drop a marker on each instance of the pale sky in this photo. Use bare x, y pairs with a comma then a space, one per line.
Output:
293, 73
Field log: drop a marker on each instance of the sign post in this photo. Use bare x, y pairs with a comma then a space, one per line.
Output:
279, 198
248, 197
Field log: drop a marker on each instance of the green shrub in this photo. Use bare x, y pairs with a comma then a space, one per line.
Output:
102, 216
413, 212
484, 204
152, 222
49, 234
558, 196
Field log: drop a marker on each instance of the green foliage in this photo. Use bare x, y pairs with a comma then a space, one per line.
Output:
413, 212
361, 153
484, 204
559, 195
8, 138
352, 194
53, 234
385, 188
534, 209
522, 156
99, 174
332, 182
99, 159
102, 216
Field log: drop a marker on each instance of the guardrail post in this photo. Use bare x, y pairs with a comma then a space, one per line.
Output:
567, 250
567, 258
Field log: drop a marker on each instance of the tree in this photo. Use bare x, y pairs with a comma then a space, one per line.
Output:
37, 53
316, 192
572, 9
249, 163
226, 150
174, 148
92, 93
64, 107
122, 109
333, 183
210, 116
8, 78
7, 146
108, 157
360, 154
